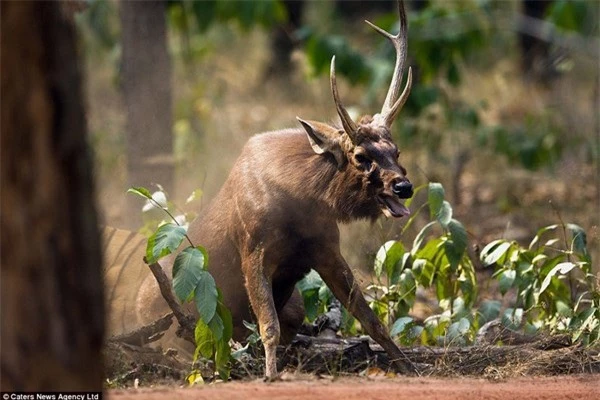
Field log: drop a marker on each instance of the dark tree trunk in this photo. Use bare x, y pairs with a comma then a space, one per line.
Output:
51, 283
146, 85
535, 53
282, 40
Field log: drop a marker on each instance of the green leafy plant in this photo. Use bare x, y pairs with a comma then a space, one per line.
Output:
552, 280
554, 286
442, 264
192, 282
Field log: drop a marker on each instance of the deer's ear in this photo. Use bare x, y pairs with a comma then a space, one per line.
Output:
324, 138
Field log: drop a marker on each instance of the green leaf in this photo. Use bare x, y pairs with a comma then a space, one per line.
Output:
444, 214
204, 340
583, 320
164, 241
512, 318
579, 241
222, 357
435, 198
562, 268
311, 303
389, 257
506, 280
140, 191
455, 248
312, 280
217, 327
420, 237
424, 271
401, 325
225, 314
187, 270
496, 254
206, 296
489, 310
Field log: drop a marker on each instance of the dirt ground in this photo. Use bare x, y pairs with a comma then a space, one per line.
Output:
576, 387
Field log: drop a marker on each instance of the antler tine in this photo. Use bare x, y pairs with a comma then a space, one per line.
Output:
347, 122
393, 103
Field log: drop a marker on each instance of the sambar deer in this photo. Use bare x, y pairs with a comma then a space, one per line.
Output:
276, 215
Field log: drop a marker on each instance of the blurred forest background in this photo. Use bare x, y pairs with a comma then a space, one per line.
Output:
504, 109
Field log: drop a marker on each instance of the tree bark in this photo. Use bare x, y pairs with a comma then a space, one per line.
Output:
51, 283
146, 86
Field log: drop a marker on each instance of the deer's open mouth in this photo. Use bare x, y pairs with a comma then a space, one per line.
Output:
391, 207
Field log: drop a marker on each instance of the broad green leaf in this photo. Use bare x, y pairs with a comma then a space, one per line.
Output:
562, 268
563, 308
420, 237
389, 258
187, 270
512, 318
456, 246
401, 325
163, 242
583, 320
406, 282
489, 310
433, 251
204, 340
225, 314
140, 191
435, 198
506, 280
424, 271
222, 357
311, 303
381, 256
579, 241
217, 327
444, 214
205, 297
312, 280
496, 254
490, 246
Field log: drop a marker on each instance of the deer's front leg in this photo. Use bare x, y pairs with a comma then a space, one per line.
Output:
337, 275
260, 294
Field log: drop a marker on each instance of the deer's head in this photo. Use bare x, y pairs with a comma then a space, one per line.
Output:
367, 146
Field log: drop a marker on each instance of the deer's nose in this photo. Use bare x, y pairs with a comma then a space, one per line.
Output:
403, 189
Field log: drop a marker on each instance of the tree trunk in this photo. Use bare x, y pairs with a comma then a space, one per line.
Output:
52, 294
146, 85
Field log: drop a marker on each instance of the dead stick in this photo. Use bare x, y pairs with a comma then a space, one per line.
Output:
186, 321
147, 333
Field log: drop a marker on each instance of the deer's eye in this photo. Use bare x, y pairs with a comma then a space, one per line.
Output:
363, 161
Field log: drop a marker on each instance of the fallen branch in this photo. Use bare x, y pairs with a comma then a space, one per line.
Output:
146, 334
187, 322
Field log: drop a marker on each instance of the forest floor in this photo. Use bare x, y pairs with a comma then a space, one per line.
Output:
579, 387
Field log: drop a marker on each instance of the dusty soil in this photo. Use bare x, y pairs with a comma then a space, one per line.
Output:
578, 387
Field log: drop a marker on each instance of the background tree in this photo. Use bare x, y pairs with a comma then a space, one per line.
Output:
52, 295
146, 87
